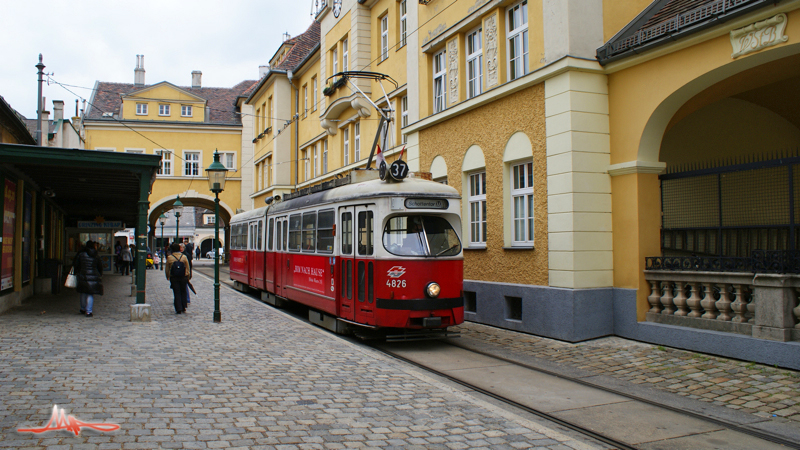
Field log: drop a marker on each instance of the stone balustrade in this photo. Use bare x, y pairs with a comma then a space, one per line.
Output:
764, 306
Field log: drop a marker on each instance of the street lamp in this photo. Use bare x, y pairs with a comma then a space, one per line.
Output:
162, 219
216, 183
178, 208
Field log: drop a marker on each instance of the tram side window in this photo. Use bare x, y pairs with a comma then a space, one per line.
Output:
294, 232
270, 239
325, 231
260, 243
309, 231
278, 234
243, 242
235, 237
365, 233
285, 233
347, 233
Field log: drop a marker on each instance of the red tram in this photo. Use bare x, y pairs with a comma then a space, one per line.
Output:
363, 253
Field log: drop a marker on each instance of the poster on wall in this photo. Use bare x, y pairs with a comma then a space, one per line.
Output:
9, 221
27, 213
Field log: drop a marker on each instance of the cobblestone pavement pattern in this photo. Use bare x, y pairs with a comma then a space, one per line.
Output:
259, 379
754, 388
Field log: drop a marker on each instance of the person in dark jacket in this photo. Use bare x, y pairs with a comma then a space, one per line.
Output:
186, 249
178, 283
89, 270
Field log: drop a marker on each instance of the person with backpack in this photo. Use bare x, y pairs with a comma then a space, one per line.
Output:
178, 274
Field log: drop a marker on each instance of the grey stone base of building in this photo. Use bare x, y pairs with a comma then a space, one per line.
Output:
140, 312
575, 315
571, 315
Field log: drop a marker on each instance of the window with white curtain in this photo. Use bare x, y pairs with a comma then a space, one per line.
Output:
517, 32
403, 22
316, 160
334, 61
357, 142
384, 37
522, 199
474, 63
345, 64
439, 81
345, 147
477, 209
325, 156
404, 115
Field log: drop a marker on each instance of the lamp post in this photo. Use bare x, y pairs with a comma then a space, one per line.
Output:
162, 219
216, 183
178, 208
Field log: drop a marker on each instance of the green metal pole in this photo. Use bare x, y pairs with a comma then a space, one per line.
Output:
141, 238
217, 313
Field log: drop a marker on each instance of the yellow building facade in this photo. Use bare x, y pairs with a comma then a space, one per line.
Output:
573, 130
185, 126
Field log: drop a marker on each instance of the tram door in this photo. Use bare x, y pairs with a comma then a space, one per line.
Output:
357, 293
279, 257
257, 256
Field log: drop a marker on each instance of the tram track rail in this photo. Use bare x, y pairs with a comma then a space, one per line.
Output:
601, 437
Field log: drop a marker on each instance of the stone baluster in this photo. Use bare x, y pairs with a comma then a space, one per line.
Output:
666, 298
680, 299
694, 300
751, 308
708, 302
796, 311
655, 297
739, 306
724, 303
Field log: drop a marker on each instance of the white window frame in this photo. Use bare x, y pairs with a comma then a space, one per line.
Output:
165, 169
325, 156
346, 147
522, 203
163, 109
305, 100
260, 173
228, 159
266, 167
474, 51
141, 109
439, 82
403, 22
357, 142
316, 161
345, 64
186, 110
306, 168
192, 167
517, 40
477, 209
314, 106
335, 61
210, 219
404, 115
139, 151
384, 37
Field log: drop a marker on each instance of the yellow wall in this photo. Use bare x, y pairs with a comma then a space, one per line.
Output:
490, 128
617, 14
163, 94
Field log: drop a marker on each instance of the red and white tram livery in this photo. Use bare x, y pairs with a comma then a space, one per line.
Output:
361, 253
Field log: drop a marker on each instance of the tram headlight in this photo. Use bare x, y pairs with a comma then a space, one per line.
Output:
433, 290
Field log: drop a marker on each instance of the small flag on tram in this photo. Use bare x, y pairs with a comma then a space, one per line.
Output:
379, 157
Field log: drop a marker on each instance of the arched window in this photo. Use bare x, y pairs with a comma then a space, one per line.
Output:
473, 171
518, 191
439, 170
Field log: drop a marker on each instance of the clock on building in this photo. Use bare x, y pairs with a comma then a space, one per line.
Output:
337, 8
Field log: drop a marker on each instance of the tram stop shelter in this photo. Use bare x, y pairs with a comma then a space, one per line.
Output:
48, 191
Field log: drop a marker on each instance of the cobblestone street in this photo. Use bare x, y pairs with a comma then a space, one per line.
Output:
259, 379
754, 388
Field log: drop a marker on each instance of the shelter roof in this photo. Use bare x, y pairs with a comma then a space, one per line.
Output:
221, 102
665, 21
85, 184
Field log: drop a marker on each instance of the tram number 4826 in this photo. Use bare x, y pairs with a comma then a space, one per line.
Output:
396, 283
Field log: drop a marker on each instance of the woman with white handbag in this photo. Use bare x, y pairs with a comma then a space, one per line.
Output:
89, 270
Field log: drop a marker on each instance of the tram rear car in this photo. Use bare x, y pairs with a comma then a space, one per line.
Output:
368, 254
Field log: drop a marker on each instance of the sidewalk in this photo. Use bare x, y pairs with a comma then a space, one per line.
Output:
748, 387
259, 379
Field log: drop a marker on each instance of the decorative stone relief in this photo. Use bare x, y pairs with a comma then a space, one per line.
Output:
759, 35
452, 70
491, 50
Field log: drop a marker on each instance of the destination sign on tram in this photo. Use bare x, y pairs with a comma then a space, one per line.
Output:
427, 203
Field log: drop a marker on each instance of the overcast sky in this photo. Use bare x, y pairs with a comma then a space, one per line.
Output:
88, 40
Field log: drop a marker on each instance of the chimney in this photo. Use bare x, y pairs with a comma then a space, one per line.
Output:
262, 70
138, 73
58, 110
45, 125
196, 77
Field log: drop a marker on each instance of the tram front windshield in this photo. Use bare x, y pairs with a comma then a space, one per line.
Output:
418, 235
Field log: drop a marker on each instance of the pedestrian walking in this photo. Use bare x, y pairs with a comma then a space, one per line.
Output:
178, 273
132, 263
127, 257
89, 270
117, 257
197, 252
186, 249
